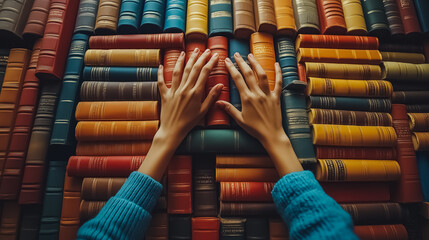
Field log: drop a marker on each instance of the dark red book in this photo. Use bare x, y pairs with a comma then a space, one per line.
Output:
246, 191
206, 228
146, 41
37, 18
352, 192
408, 188
179, 185
301, 72
409, 16
109, 166
331, 17
56, 39
375, 153
380, 232
191, 44
170, 59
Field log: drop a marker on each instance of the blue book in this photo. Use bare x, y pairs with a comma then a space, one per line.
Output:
296, 125
120, 74
175, 16
220, 18
243, 48
129, 16
422, 9
423, 163
349, 103
52, 202
286, 57
153, 16
85, 20
62, 138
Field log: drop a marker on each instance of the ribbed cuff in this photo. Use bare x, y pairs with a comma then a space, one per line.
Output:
141, 189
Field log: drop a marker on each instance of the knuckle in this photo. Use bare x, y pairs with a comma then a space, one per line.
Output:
206, 69
248, 72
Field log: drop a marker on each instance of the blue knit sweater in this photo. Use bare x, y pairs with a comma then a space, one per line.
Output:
300, 200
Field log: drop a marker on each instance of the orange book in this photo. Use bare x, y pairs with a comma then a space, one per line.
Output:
236, 161
327, 55
113, 148
262, 47
112, 111
246, 175
70, 217
116, 130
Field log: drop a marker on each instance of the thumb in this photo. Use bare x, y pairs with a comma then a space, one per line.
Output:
211, 98
231, 110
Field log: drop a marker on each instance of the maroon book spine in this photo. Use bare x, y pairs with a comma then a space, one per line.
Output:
408, 188
96, 166
179, 185
146, 41
56, 39
408, 16
37, 19
352, 192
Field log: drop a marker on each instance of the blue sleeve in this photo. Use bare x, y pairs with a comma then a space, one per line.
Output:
308, 211
127, 214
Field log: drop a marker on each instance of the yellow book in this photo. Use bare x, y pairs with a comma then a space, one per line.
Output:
405, 71
421, 141
285, 18
349, 88
403, 57
196, 19
123, 57
353, 15
328, 55
343, 71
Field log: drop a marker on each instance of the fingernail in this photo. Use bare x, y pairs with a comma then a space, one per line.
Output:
251, 56
160, 66
227, 60
277, 64
215, 55
196, 50
182, 54
207, 50
237, 54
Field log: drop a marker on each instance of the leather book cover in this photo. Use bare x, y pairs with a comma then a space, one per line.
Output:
243, 48
220, 20
4, 56
9, 221
120, 74
349, 88
30, 221
401, 47
348, 103
170, 59
419, 122
190, 46
343, 71
286, 57
285, 17
196, 19
247, 209
56, 39
158, 228
353, 15
246, 175
70, 213
417, 108
422, 7
232, 228
265, 18
376, 153
278, 229
123, 57
397, 71
130, 16
336, 42
138, 41
307, 21
345, 117
331, 17
117, 91
352, 192
175, 16
113, 148
243, 161
262, 48
423, 166
179, 185
37, 18
375, 18
86, 16
90, 209
107, 17
393, 17
204, 187
205, 228
117, 110
244, 18
326, 55
416, 58
396, 231
100, 189
375, 213
257, 228
246, 191
409, 18
13, 18
409, 97
104, 166
153, 15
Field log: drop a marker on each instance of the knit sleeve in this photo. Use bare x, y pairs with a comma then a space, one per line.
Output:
308, 211
127, 214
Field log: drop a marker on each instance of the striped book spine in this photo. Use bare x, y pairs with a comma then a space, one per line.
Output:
130, 16
175, 16
153, 16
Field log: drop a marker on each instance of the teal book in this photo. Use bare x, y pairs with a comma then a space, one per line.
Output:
220, 18
153, 16
296, 125
286, 57
375, 18
130, 16
243, 48
422, 9
86, 15
423, 164
120, 74
349, 103
62, 142
175, 16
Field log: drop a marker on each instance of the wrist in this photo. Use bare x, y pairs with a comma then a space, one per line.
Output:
168, 139
272, 143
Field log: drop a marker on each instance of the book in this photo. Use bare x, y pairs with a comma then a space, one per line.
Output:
296, 125
190, 46
397, 71
353, 15
393, 18
119, 91
357, 170
400, 47
246, 175
104, 166
331, 17
100, 189
338, 56
286, 57
232, 228
243, 48
404, 86
113, 148
138, 41
220, 21
117, 110
158, 228
348, 88
375, 18
90, 209
410, 97
204, 187
361, 192
417, 108
357, 136
336, 42
284, 18
120, 74
179, 185
175, 16
375, 213
423, 167
262, 47
408, 15
123, 57
421, 8
416, 58
129, 17
107, 17
36, 21
205, 228
4, 56
343, 71
307, 21
170, 58
244, 19
36, 159
344, 117
369, 232
30, 221
246, 191
10, 217
196, 19
376, 153
243, 161
265, 18
153, 16
52, 201
419, 122
86, 17
57, 39
421, 141
247, 209
13, 18
348, 103
70, 213
278, 229
180, 227
257, 228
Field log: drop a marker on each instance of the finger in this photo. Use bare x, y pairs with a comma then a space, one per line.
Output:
231, 111
196, 69
211, 98
279, 80
189, 65
161, 82
262, 76
247, 72
236, 76
177, 72
205, 71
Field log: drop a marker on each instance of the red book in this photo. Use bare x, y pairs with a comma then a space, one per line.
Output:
381, 232
110, 166
191, 44
142, 41
301, 72
206, 228
408, 16
331, 17
170, 59
180, 185
15, 159
408, 188
352, 192
375, 153
337, 42
246, 191
56, 39
37, 18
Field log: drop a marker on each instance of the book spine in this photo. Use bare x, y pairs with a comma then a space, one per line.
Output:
244, 18
343, 71
107, 17
10, 220
286, 55
354, 104
344, 117
179, 185
20, 130
30, 221
397, 71
421, 7
138, 41
130, 16
423, 167
247, 209
262, 47
393, 17
196, 19
396, 231
278, 230
119, 110
416, 58
338, 56
117, 91
123, 57
246, 175
158, 228
4, 56
204, 187
232, 228
70, 211
265, 18
244, 161
396, 47
120, 74
419, 122
220, 21
246, 191
336, 42
205, 228
362, 192
13, 18
307, 17
243, 48
86, 15
90, 209
331, 17
56, 39
257, 228
175, 16
112, 148
417, 108
408, 16
153, 16
421, 141
285, 18
191, 44
37, 18
375, 213
108, 166
409, 97
180, 227
353, 15
375, 18
170, 59
349, 88
100, 189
